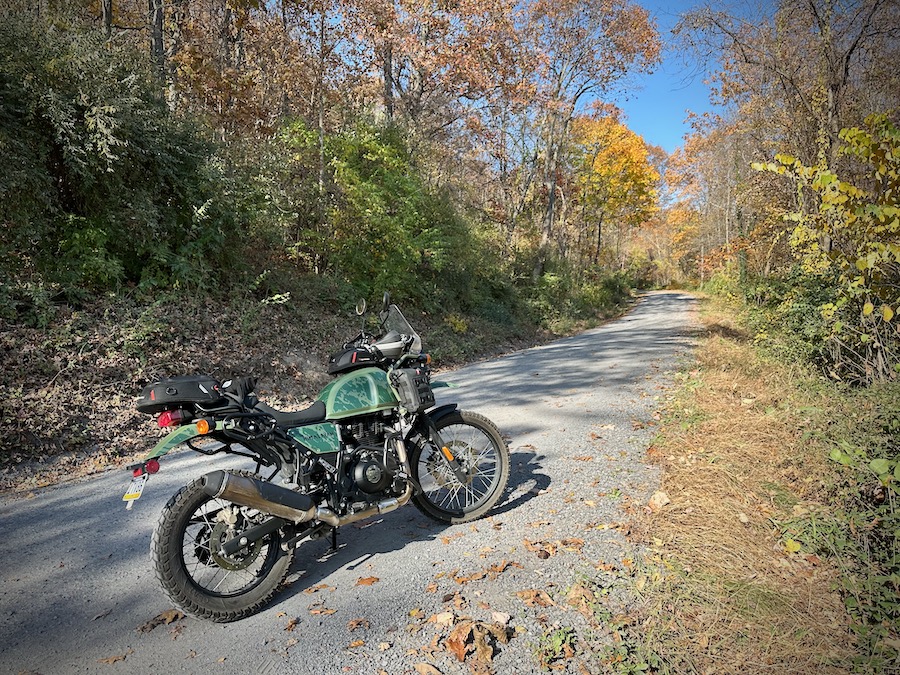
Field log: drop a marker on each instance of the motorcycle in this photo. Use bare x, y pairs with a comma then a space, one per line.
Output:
371, 442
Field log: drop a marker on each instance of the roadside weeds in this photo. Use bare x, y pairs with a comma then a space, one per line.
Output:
722, 589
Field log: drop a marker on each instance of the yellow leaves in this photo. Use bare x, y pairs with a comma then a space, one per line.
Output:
887, 313
792, 546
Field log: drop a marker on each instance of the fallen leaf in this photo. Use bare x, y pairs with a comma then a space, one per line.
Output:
319, 608
384, 646
292, 624
658, 501
167, 617
426, 669
356, 624
115, 659
356, 643
367, 581
534, 597
583, 458
572, 544
102, 614
431, 588
442, 619
581, 599
456, 641
320, 587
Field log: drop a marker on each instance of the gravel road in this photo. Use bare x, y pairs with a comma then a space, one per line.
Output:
78, 594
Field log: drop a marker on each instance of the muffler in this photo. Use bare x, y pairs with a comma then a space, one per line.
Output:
287, 504
258, 494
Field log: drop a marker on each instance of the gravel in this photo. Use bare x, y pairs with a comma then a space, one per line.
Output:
578, 415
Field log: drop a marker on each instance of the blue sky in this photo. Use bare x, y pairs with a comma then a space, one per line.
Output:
656, 108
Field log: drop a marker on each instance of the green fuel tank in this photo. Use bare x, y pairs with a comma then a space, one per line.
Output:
357, 393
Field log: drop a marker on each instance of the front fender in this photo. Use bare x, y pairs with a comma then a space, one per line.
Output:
436, 414
178, 436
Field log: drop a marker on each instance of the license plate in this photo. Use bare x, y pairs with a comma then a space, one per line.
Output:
135, 489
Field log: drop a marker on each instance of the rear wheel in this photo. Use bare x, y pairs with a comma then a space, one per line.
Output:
200, 578
482, 454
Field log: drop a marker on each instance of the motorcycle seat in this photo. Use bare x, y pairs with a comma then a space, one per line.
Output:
310, 415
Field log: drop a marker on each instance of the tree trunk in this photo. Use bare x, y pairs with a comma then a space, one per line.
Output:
388, 74
106, 14
157, 50
173, 93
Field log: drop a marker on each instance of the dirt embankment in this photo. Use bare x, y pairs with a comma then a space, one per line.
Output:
69, 386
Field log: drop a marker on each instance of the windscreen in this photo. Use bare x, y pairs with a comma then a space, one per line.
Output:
393, 319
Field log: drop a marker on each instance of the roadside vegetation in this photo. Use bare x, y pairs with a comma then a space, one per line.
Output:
778, 550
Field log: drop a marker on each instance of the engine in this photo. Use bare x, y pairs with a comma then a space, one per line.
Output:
369, 474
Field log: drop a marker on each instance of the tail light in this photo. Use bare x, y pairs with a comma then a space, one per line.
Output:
170, 418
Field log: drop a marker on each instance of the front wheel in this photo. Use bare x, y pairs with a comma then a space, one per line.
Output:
200, 578
476, 444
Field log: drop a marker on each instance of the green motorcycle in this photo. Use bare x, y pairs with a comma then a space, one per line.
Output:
372, 441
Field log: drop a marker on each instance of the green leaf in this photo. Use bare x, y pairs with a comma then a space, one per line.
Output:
880, 466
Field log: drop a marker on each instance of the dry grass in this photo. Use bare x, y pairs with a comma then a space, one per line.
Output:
731, 598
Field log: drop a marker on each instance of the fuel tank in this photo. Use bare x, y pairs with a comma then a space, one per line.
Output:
358, 393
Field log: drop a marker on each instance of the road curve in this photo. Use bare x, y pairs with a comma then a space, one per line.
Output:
77, 586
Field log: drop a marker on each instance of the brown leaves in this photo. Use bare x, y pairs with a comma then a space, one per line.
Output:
109, 660
535, 598
356, 624
367, 581
476, 638
426, 669
582, 599
320, 587
319, 609
491, 573
545, 549
167, 617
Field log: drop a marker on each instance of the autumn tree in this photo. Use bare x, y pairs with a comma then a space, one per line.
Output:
615, 187
586, 49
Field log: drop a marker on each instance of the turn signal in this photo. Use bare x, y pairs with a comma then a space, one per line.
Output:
202, 426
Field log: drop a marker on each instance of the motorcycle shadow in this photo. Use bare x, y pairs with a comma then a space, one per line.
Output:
316, 563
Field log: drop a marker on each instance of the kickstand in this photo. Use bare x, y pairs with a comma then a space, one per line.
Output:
334, 545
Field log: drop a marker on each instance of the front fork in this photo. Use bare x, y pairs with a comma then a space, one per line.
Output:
461, 475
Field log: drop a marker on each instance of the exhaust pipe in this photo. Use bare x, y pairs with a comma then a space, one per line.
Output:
283, 503
258, 494
330, 517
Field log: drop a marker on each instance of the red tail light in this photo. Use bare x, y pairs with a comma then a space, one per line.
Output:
170, 418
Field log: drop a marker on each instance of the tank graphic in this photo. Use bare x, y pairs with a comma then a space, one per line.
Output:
320, 438
362, 391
